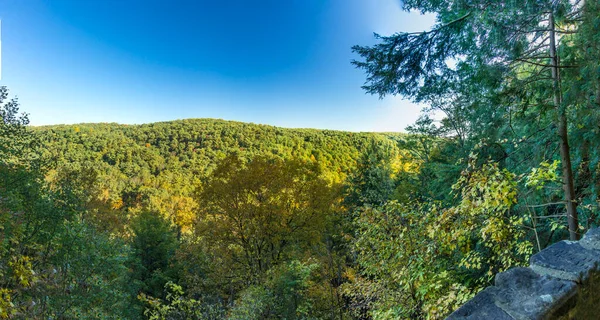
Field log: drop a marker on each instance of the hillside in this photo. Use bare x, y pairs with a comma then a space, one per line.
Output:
192, 142
158, 166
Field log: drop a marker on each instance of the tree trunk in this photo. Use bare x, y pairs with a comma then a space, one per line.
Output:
565, 156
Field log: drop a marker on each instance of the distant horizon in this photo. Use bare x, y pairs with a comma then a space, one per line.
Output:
214, 119
282, 64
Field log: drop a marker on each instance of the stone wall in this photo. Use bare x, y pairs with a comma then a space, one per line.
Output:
546, 290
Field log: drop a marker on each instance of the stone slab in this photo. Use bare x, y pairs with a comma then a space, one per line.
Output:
565, 260
526, 295
591, 240
481, 307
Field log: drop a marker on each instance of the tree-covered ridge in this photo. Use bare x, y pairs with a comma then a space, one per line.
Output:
192, 142
158, 166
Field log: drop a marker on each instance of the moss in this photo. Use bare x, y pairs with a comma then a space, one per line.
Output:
587, 302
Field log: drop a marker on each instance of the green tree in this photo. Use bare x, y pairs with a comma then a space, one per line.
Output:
52, 264
285, 294
401, 273
263, 212
154, 244
420, 260
178, 307
481, 54
15, 139
372, 182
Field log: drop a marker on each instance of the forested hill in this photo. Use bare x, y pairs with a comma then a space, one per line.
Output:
196, 144
159, 165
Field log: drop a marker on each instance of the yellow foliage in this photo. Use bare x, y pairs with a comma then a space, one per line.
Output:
263, 207
118, 204
483, 215
404, 162
22, 270
7, 308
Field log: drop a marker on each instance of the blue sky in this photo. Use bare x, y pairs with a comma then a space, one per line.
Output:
277, 62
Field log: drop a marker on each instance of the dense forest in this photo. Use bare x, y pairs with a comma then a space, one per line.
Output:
212, 219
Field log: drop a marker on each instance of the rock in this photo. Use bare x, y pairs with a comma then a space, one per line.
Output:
591, 240
545, 290
524, 294
565, 260
482, 306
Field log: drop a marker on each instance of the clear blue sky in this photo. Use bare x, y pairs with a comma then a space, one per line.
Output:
278, 62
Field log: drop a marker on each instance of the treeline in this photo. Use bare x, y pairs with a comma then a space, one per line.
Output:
123, 169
